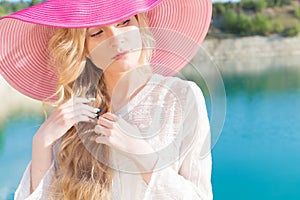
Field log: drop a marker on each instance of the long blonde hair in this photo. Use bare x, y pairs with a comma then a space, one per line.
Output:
79, 174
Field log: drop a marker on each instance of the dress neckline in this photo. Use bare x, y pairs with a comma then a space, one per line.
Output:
154, 80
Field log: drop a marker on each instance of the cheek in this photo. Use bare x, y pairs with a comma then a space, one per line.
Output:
135, 40
92, 43
134, 43
101, 56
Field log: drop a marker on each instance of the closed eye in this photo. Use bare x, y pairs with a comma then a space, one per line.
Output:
96, 34
124, 23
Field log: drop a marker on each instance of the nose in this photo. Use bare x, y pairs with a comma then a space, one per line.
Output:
115, 37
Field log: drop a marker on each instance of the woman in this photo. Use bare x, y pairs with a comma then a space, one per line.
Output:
119, 131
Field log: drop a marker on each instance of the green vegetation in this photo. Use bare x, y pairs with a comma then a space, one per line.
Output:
8, 7
256, 17
297, 12
291, 32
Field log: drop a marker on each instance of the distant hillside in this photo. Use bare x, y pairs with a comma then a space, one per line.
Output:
256, 17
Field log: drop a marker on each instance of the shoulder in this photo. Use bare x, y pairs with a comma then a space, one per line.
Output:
183, 94
184, 89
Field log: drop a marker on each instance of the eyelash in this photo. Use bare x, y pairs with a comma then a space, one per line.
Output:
96, 34
124, 23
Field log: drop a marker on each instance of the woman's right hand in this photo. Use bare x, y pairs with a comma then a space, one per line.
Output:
64, 117
61, 120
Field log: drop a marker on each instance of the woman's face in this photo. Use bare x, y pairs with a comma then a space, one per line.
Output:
116, 47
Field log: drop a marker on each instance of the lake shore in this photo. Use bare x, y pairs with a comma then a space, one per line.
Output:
252, 54
15, 104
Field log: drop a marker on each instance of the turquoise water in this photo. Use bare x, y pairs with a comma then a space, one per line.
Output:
258, 154
15, 152
256, 157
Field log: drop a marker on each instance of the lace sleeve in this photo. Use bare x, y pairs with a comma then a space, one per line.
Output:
41, 192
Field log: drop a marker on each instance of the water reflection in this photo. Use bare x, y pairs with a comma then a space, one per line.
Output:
274, 80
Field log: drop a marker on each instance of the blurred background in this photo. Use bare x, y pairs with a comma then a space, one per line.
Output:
255, 45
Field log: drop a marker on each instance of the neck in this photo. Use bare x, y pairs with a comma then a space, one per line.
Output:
111, 80
123, 86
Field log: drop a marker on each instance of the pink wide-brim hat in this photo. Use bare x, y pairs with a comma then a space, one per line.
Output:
178, 27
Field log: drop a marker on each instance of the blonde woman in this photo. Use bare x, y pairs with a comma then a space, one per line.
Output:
119, 130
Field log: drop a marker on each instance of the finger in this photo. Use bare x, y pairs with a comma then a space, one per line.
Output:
105, 122
71, 103
79, 100
110, 116
81, 118
90, 108
83, 107
80, 108
102, 140
79, 113
100, 130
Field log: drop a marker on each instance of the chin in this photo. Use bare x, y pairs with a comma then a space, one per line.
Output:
122, 67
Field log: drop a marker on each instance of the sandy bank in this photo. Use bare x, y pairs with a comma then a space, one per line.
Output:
13, 102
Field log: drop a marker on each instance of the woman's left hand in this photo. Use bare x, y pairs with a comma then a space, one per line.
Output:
120, 135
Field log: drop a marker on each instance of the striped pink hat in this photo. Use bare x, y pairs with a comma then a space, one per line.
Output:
178, 27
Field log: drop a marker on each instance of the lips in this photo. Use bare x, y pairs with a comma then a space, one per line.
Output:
120, 55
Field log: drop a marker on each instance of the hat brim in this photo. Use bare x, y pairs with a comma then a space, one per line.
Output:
178, 27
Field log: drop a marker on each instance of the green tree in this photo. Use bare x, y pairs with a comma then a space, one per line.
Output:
260, 25
247, 4
2, 11
286, 2
20, 5
292, 32
229, 20
218, 9
277, 26
297, 12
34, 2
274, 3
243, 24
254, 5
8, 8
260, 5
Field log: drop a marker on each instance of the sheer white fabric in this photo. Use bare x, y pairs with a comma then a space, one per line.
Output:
175, 111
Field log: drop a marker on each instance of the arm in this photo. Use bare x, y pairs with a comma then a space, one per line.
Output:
23, 190
42, 159
37, 176
193, 179
61, 120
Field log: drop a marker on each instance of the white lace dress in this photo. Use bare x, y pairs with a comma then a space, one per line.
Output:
181, 136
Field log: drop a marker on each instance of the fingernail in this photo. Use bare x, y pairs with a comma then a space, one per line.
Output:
97, 110
91, 99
